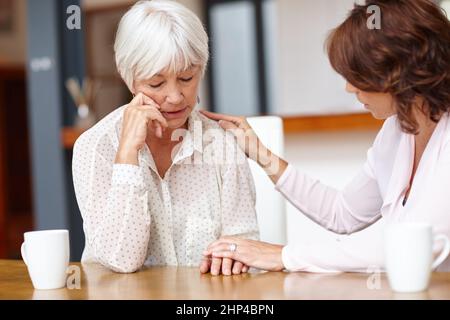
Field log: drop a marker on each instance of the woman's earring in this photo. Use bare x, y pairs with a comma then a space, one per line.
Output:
198, 99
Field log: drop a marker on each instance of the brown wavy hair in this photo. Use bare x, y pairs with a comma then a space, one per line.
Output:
408, 57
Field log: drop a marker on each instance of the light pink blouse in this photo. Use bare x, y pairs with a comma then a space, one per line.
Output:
376, 192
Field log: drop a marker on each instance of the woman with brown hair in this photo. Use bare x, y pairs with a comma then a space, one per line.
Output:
401, 73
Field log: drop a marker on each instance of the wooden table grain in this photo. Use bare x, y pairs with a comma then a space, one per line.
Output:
172, 283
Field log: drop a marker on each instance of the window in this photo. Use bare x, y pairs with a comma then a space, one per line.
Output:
242, 55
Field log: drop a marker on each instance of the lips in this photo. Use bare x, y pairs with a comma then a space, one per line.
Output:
174, 114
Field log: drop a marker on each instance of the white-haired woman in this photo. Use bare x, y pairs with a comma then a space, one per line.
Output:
144, 196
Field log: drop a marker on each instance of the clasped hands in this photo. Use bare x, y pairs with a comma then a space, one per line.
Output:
233, 255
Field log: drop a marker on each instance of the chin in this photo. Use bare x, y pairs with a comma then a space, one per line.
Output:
177, 123
382, 116
378, 115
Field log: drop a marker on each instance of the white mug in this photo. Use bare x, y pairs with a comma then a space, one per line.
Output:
47, 254
408, 251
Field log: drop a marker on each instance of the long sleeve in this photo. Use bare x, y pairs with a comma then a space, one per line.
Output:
377, 190
113, 202
347, 211
344, 211
238, 199
353, 208
362, 252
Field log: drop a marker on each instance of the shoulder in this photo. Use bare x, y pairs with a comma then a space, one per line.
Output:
446, 129
390, 129
445, 138
381, 156
206, 123
212, 132
218, 143
209, 129
388, 138
100, 137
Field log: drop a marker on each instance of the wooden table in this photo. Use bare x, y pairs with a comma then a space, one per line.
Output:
187, 283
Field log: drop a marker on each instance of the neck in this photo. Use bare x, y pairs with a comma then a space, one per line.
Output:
426, 125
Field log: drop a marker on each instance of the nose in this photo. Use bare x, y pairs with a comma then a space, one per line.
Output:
351, 88
174, 95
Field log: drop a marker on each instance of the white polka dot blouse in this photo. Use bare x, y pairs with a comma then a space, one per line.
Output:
132, 217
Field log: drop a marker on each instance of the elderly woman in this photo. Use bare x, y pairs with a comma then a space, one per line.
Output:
400, 73
145, 197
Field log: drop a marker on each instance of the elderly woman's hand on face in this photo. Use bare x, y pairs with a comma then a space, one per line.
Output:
141, 114
251, 253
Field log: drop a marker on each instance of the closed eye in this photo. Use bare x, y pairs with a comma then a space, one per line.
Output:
186, 79
155, 86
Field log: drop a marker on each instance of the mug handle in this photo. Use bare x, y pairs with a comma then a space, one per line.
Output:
445, 250
22, 251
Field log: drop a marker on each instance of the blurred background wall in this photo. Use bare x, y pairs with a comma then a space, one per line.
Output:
13, 42
267, 57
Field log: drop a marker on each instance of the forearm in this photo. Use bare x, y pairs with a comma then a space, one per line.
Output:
273, 165
341, 211
126, 155
358, 253
120, 238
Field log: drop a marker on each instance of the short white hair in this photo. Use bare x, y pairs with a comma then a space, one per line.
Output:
159, 35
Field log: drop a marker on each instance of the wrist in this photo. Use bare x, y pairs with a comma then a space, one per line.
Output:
264, 156
127, 156
278, 259
271, 163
